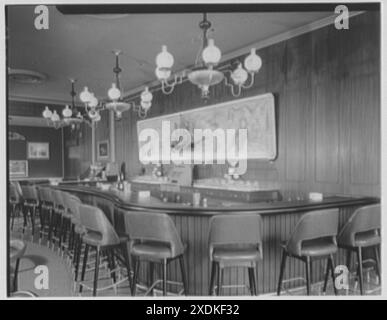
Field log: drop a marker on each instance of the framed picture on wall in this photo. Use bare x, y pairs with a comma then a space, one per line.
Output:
103, 150
38, 150
18, 168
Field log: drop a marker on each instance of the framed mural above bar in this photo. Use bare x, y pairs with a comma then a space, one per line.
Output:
38, 150
18, 168
255, 114
103, 150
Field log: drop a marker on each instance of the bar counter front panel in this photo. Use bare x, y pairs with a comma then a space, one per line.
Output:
279, 219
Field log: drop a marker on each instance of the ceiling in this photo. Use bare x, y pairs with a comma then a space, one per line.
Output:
79, 46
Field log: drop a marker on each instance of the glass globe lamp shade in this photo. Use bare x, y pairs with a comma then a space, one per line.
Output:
211, 54
114, 93
93, 114
118, 114
66, 112
253, 62
146, 95
146, 105
55, 116
85, 95
93, 101
47, 114
164, 60
162, 74
97, 118
239, 75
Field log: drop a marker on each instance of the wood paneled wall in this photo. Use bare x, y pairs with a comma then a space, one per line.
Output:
327, 89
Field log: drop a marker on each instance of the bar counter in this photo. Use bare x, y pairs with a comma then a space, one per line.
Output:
279, 219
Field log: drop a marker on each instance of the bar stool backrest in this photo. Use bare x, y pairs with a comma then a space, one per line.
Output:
48, 196
235, 229
364, 219
95, 221
73, 203
58, 198
13, 194
30, 193
313, 225
153, 227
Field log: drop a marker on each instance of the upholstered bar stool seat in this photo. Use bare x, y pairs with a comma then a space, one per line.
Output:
313, 237
367, 239
362, 230
318, 247
235, 256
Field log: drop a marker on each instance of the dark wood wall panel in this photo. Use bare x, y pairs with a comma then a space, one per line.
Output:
327, 132
326, 87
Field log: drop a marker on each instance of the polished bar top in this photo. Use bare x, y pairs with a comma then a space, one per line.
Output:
134, 201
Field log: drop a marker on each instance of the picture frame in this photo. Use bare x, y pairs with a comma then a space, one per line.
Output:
18, 168
103, 150
38, 150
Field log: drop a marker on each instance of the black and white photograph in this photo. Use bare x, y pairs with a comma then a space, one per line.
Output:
246, 141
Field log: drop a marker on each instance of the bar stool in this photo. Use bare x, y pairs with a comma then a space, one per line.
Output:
313, 237
55, 233
77, 229
31, 203
154, 238
362, 230
46, 207
101, 236
234, 241
17, 250
15, 203
66, 225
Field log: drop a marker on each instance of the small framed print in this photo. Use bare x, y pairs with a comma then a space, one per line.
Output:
38, 150
18, 168
103, 150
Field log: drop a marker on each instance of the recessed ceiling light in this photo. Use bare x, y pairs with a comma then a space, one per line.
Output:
26, 76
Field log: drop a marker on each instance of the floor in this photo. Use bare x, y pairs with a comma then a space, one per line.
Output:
61, 275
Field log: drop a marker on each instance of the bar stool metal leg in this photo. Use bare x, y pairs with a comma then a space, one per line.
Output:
212, 279
151, 276
183, 275
127, 263
85, 254
308, 280
220, 280
282, 269
377, 265
328, 268
136, 266
96, 270
253, 289
164, 277
360, 269
331, 261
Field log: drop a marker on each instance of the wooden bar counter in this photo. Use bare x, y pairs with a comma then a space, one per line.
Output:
279, 219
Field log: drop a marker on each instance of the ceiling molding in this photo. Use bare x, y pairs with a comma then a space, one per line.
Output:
258, 45
28, 121
40, 100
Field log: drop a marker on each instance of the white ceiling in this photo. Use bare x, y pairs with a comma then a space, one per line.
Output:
79, 46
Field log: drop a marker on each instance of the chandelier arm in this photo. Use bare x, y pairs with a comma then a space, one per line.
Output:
164, 88
248, 86
232, 87
142, 113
